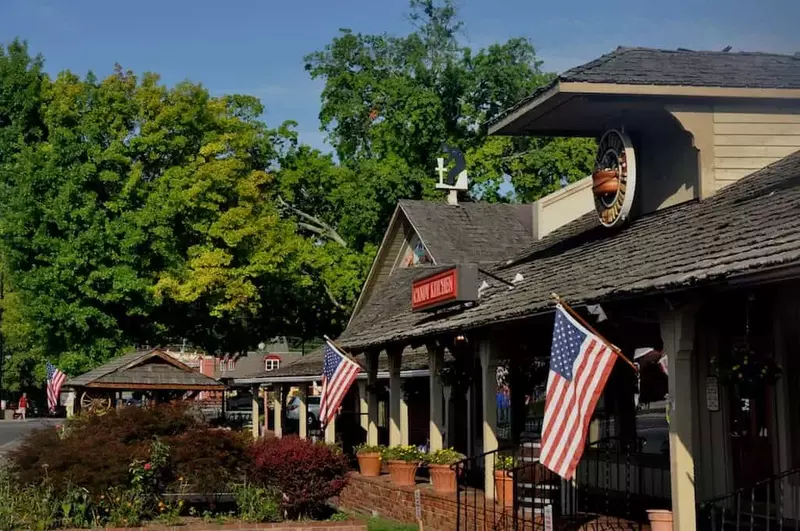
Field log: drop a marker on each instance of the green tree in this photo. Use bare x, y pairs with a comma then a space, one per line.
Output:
134, 213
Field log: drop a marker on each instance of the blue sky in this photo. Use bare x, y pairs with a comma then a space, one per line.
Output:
256, 47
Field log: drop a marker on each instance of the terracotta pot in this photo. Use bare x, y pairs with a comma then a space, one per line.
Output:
504, 488
369, 464
660, 519
403, 473
443, 478
605, 182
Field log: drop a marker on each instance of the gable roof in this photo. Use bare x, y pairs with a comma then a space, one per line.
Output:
470, 232
748, 227
685, 68
152, 369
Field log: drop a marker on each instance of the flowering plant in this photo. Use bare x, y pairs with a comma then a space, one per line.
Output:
402, 452
445, 456
746, 371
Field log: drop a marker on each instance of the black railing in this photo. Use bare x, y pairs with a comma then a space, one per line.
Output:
615, 484
772, 503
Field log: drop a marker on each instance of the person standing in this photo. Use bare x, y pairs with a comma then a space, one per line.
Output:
22, 406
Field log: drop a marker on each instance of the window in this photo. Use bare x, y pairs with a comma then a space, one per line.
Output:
415, 253
231, 365
221, 365
270, 364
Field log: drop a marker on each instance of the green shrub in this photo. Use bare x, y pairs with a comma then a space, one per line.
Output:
445, 456
208, 460
369, 448
402, 453
257, 504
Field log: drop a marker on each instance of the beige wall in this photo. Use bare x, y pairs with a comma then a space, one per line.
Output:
561, 207
749, 138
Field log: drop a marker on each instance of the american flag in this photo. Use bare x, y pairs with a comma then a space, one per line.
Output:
55, 379
580, 363
338, 374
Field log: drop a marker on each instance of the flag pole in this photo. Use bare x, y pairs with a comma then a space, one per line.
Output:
343, 351
591, 329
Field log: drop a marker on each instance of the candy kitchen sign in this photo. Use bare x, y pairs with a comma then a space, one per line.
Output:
452, 286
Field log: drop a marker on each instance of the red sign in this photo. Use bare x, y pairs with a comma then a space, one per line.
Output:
434, 290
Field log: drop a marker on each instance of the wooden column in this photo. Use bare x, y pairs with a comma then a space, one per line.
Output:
330, 431
489, 385
302, 397
254, 411
395, 397
277, 407
404, 418
363, 405
448, 393
435, 362
677, 332
266, 411
372, 397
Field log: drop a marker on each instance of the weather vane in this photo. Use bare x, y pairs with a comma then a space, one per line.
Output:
452, 172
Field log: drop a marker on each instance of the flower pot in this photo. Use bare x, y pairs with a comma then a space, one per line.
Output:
369, 464
605, 182
443, 478
504, 488
660, 519
403, 473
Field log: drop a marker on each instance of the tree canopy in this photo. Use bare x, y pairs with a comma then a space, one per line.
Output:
136, 213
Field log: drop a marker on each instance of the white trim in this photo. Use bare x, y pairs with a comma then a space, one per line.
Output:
416, 373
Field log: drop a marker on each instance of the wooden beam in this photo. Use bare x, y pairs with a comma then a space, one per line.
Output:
155, 387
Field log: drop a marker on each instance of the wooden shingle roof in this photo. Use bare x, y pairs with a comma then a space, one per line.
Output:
145, 369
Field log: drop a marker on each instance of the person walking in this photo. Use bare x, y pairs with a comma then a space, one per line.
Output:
22, 406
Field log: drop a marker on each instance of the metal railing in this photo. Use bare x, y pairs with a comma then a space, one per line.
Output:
615, 484
772, 503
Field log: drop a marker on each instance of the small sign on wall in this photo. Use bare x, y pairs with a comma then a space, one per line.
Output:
712, 393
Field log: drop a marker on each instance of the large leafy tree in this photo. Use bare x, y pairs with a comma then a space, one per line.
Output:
135, 213
388, 105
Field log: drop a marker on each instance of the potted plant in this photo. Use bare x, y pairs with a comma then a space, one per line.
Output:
660, 519
747, 372
403, 461
369, 459
441, 464
605, 181
504, 480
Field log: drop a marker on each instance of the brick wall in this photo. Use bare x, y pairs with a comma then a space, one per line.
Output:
282, 526
379, 496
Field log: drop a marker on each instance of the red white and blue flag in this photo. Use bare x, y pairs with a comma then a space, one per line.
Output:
580, 363
338, 374
55, 379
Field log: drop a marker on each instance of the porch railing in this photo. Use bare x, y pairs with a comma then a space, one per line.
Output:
615, 483
772, 503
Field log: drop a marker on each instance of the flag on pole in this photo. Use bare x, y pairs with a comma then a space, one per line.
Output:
55, 379
338, 374
580, 362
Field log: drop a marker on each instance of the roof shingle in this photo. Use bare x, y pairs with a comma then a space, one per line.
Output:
748, 226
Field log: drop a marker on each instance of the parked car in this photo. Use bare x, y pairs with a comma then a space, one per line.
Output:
293, 409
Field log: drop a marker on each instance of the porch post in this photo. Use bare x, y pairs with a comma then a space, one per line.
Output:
404, 418
435, 362
489, 385
254, 411
677, 332
372, 397
395, 398
330, 431
448, 393
266, 410
302, 397
363, 405
277, 407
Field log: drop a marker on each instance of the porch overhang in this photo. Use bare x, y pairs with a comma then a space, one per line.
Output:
571, 108
383, 375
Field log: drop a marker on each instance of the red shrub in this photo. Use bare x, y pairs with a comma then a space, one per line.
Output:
208, 459
306, 473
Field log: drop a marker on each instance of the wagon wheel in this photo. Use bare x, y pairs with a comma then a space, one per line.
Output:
95, 403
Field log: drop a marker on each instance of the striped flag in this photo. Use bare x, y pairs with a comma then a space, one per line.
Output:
338, 374
55, 379
580, 363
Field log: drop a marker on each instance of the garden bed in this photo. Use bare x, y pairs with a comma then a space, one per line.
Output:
198, 524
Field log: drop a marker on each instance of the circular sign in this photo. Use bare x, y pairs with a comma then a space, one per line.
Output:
614, 178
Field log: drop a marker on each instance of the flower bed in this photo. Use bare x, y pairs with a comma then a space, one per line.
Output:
159, 465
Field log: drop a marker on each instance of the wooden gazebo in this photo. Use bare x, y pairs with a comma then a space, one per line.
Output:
152, 372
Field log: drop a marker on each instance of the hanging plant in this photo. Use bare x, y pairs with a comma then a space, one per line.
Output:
746, 371
456, 375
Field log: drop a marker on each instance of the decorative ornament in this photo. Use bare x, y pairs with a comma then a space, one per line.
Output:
614, 178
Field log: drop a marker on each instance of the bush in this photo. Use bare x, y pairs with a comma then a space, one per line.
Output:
306, 474
256, 504
209, 460
445, 456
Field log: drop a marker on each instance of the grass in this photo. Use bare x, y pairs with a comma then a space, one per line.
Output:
383, 524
